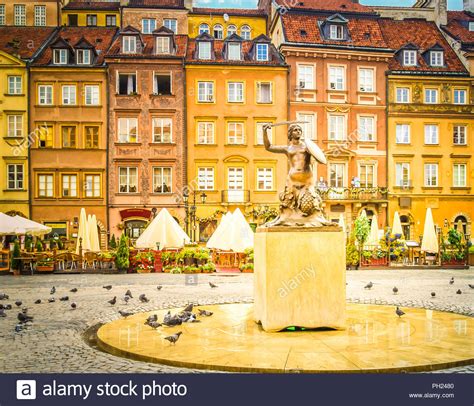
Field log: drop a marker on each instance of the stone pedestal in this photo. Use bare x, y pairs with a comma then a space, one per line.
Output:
300, 277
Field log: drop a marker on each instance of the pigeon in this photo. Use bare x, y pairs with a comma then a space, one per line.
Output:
38, 301
24, 318
175, 337
7, 306
173, 321
188, 308
124, 313
18, 328
73, 290
143, 298
192, 319
51, 300
113, 301
159, 287
64, 298
212, 285
73, 306
154, 324
2, 313
167, 317
433, 294
451, 280
151, 319
129, 293
399, 312
18, 303
458, 291
126, 298
4, 296
205, 313
395, 290
470, 285
369, 285
53, 290
107, 287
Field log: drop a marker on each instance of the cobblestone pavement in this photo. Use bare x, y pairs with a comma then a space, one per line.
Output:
55, 341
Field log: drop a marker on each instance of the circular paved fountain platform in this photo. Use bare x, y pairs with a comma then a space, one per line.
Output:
375, 340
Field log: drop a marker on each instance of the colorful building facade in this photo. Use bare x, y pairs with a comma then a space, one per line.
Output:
91, 14
30, 13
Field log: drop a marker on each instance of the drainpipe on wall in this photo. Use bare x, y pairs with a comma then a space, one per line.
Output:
185, 127
107, 106
28, 116
387, 101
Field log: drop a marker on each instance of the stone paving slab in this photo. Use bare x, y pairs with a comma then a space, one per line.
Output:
55, 341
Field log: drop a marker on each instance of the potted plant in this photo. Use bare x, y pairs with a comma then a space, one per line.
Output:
15, 262
39, 245
209, 267
352, 254
247, 268
45, 265
249, 254
202, 256
145, 262
176, 269
28, 243
122, 260
113, 242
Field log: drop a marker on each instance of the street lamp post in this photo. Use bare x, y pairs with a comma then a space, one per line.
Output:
190, 213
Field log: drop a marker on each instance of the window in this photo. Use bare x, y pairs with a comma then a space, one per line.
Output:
204, 48
19, 11
171, 24
91, 95
60, 56
15, 176
45, 185
69, 95
471, 25
15, 125
436, 58
218, 31
459, 175
45, 137
45, 94
91, 20
309, 128
336, 175
367, 175
163, 84
128, 179
205, 92
233, 52
431, 96
162, 45
306, 77
235, 184
92, 185
14, 85
127, 129
69, 136
72, 20
431, 134
235, 92
235, 133
460, 96
366, 128
231, 29
162, 130
129, 44
431, 175
245, 32
366, 80
260, 133
403, 95
265, 179
205, 133
127, 83
336, 78
83, 57
69, 185
402, 174
403, 134
459, 135
262, 52
204, 29
336, 32
264, 92
206, 178
409, 58
40, 16
110, 20
337, 127
148, 25
2, 14
162, 180
92, 136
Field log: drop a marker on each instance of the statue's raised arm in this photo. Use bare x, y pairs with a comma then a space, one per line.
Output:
279, 149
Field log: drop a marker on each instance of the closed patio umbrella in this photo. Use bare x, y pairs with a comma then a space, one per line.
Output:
217, 234
237, 236
373, 238
94, 234
430, 239
83, 232
397, 225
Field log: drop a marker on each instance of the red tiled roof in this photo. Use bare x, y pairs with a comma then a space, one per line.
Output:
458, 27
149, 46
23, 41
156, 3
251, 12
424, 35
99, 37
339, 6
92, 5
304, 28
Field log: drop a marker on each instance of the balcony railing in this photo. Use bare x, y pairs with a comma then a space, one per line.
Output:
235, 196
353, 193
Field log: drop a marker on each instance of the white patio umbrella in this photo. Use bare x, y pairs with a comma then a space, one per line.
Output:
10, 226
342, 223
93, 233
165, 230
217, 234
373, 238
83, 232
397, 225
237, 235
32, 227
430, 239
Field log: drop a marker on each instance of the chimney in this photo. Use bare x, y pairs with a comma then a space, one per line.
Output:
188, 4
441, 12
468, 5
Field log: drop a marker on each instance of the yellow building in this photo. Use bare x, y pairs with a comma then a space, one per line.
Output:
91, 14
29, 13
237, 87
430, 129
221, 23
15, 54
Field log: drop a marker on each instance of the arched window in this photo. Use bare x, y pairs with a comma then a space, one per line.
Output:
462, 221
218, 31
231, 29
245, 32
204, 28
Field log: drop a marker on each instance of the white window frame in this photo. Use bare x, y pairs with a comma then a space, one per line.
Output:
2, 14
15, 125
47, 180
19, 12
40, 16
71, 183
234, 51
336, 32
231, 29
148, 25
18, 170
462, 135
208, 128
163, 45
260, 99
457, 99
262, 52
128, 177
431, 96
364, 135
236, 139
206, 92
306, 76
124, 126
338, 166
91, 20
259, 129
159, 171
204, 50
206, 178
337, 129
235, 92
129, 44
48, 95
400, 169
246, 32
402, 133
471, 26
60, 56
366, 80
309, 128
92, 92
83, 56
158, 127
431, 134
15, 84
92, 185
204, 28
363, 182
68, 95
173, 26
402, 94
218, 31
337, 78
431, 170
459, 181
409, 57
265, 175
437, 58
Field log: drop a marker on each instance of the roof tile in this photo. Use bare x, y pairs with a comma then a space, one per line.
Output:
23, 41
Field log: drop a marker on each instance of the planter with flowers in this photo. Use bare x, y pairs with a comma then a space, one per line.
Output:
145, 262
45, 265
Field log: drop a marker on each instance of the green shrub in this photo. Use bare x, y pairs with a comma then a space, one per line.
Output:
28, 243
113, 242
122, 260
39, 245
16, 253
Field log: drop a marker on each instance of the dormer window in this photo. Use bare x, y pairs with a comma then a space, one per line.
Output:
83, 57
336, 32
233, 52
409, 58
60, 56
204, 29
471, 26
262, 52
162, 45
129, 44
204, 50
436, 58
